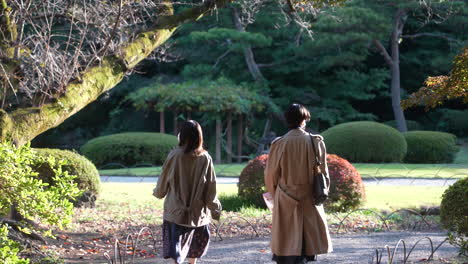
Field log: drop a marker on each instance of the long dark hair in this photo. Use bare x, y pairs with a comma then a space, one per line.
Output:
191, 137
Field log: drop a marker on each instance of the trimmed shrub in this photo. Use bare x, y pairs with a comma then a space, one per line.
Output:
35, 200
130, 148
366, 141
346, 189
454, 213
430, 147
251, 181
410, 124
87, 176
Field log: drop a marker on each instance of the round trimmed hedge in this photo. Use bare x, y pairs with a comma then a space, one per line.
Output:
130, 148
346, 189
87, 176
430, 147
366, 141
251, 181
454, 213
411, 124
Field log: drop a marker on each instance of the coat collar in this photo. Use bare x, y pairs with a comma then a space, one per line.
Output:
296, 132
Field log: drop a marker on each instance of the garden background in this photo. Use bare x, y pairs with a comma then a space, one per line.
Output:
385, 82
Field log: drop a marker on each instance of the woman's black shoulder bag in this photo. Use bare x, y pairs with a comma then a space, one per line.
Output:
320, 189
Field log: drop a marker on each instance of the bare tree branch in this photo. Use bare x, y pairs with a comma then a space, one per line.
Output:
427, 34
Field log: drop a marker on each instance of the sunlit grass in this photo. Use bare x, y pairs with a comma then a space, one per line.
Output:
124, 197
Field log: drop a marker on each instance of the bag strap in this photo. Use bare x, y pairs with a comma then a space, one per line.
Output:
317, 159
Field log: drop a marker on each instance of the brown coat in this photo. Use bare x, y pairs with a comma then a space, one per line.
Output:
189, 184
297, 223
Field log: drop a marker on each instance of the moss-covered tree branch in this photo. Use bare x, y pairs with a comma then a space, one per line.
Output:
22, 125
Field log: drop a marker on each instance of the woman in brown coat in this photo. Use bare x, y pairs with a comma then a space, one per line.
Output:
300, 230
188, 182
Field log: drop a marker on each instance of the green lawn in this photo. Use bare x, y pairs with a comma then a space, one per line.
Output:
458, 169
134, 195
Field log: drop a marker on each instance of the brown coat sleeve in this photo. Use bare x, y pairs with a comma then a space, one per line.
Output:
273, 169
323, 158
211, 198
163, 181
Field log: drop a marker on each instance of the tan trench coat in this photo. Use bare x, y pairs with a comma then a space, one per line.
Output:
297, 223
189, 184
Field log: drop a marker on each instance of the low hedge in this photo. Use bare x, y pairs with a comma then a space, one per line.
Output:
129, 148
366, 141
410, 124
430, 147
87, 176
454, 213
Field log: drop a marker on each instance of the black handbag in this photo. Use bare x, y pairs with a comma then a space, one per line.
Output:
320, 189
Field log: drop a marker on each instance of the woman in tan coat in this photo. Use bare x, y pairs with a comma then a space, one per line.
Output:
300, 230
188, 182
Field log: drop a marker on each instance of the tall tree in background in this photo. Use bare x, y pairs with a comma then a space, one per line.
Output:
401, 12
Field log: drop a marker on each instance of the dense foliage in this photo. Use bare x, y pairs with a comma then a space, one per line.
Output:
454, 213
366, 142
430, 147
87, 176
346, 190
454, 121
441, 88
252, 182
130, 148
334, 69
203, 95
9, 249
34, 199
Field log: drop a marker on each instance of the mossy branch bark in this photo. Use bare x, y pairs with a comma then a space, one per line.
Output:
22, 125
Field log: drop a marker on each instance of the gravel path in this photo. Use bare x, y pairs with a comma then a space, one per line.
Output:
234, 180
348, 249
357, 248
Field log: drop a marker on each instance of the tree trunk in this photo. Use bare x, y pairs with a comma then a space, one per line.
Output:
176, 124
247, 50
22, 125
398, 113
218, 140
393, 62
229, 137
240, 131
162, 123
261, 146
189, 116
